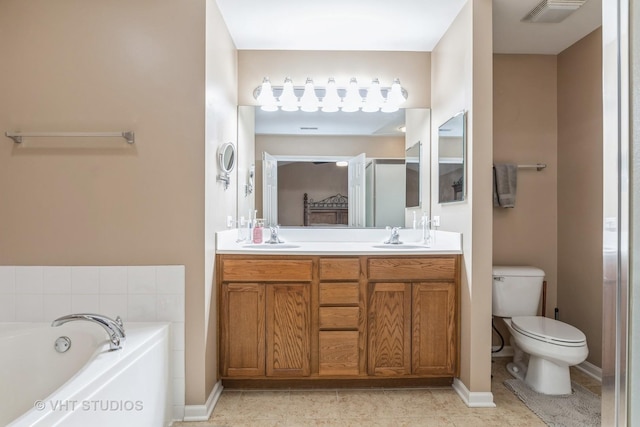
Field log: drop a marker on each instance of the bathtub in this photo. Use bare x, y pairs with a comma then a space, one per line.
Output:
88, 385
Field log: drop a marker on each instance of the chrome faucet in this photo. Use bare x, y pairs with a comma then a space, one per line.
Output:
394, 238
114, 328
273, 238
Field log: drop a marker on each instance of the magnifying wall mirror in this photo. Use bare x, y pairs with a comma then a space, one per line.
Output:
226, 161
451, 159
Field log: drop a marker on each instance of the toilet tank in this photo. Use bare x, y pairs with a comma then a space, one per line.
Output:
516, 290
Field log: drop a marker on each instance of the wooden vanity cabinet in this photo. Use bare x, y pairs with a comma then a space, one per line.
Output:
265, 317
352, 317
412, 316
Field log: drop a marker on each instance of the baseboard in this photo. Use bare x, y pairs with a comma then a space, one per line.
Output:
203, 412
473, 399
507, 351
590, 369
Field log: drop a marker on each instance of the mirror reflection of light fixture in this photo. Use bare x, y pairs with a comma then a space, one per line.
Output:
331, 98
342, 163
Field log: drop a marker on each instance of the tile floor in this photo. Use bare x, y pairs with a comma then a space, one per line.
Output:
375, 407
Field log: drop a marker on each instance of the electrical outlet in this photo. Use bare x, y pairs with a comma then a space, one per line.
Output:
436, 221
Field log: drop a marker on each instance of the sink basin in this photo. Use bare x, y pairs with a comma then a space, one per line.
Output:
269, 246
400, 246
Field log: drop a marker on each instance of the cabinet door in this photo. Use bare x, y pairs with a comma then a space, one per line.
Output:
288, 329
434, 329
242, 330
389, 329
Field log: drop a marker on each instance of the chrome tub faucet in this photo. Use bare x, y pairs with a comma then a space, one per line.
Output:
114, 328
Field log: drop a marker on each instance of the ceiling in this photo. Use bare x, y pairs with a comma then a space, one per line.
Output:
399, 25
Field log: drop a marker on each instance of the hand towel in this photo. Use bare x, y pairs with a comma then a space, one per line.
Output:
505, 182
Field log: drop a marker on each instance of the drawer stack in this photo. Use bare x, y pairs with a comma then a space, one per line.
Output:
339, 316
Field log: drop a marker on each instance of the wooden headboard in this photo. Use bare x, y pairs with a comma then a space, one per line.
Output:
333, 210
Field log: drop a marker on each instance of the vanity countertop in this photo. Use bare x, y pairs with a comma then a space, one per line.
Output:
341, 241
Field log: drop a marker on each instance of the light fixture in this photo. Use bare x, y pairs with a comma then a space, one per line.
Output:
352, 101
308, 100
395, 98
342, 163
266, 99
288, 98
333, 98
374, 100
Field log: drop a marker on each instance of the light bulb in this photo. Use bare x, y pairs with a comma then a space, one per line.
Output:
374, 99
266, 99
288, 98
309, 101
331, 100
395, 98
352, 100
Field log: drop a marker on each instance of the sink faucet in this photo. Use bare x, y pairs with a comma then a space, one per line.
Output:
394, 238
274, 235
114, 328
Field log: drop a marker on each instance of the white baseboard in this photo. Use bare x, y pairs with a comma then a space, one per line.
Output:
507, 351
473, 399
203, 412
590, 369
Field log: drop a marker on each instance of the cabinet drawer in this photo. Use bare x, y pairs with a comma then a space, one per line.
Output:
338, 353
412, 268
339, 268
339, 317
339, 294
262, 270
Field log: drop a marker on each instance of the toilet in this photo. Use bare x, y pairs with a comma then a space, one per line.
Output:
543, 348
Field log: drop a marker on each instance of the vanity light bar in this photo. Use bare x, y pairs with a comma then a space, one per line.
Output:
311, 98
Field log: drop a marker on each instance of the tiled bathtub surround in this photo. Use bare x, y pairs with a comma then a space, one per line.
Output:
135, 293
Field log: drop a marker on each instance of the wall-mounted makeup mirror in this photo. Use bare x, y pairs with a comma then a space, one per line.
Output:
412, 169
226, 161
451, 159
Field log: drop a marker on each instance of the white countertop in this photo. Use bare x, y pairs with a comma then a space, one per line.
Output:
341, 241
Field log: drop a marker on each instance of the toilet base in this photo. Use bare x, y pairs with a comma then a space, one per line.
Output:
547, 377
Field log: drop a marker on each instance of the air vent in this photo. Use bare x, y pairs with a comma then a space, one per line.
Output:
553, 11
308, 128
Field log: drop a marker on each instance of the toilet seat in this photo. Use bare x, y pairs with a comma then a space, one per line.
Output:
549, 330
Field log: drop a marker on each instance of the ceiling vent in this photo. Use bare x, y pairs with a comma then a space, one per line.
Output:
553, 11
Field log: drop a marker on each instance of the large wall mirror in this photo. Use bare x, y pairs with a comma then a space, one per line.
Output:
451, 159
308, 151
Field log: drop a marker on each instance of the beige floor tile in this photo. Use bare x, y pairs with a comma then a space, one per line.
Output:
376, 407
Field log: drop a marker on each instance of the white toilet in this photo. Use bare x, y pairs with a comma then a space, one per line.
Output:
549, 345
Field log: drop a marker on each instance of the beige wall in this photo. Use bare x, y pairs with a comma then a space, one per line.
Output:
119, 65
412, 68
525, 132
580, 189
319, 181
461, 79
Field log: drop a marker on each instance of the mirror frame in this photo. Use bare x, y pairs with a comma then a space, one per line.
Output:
226, 151
460, 185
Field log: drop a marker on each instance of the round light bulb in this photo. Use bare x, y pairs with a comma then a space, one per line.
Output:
331, 100
288, 98
352, 101
309, 101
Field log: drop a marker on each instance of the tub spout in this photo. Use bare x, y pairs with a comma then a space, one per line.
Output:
114, 328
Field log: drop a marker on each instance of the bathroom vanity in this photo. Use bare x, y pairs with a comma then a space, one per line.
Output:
358, 313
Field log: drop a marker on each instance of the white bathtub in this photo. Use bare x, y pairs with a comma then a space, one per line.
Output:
88, 385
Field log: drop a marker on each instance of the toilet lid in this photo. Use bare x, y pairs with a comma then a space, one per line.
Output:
549, 330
